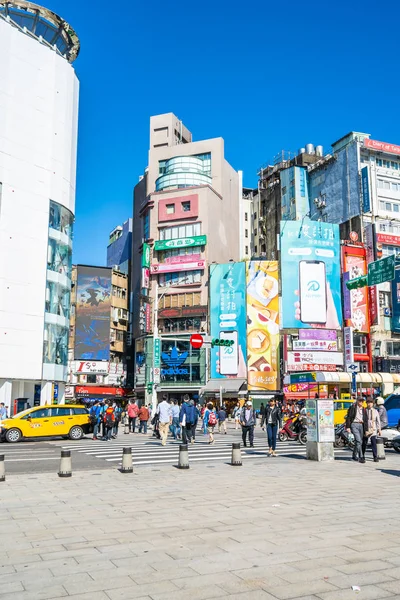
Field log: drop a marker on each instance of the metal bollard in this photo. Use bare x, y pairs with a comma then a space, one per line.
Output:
126, 423
380, 448
236, 456
65, 464
183, 457
2, 468
127, 461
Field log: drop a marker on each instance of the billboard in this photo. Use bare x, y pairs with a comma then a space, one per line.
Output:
366, 201
228, 319
310, 274
262, 326
93, 313
354, 262
396, 302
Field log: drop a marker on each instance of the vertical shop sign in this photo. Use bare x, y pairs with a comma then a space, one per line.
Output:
263, 326
366, 201
396, 302
348, 346
354, 262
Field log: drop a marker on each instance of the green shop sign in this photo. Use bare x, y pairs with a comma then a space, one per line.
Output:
196, 240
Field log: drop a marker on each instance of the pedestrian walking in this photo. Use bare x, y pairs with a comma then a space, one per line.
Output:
118, 417
144, 417
222, 420
374, 428
236, 413
165, 418
94, 414
109, 421
273, 421
133, 411
262, 415
3, 411
382, 412
175, 428
187, 419
210, 417
248, 421
357, 424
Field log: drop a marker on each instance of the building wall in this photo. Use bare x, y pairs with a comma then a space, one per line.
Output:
119, 252
38, 142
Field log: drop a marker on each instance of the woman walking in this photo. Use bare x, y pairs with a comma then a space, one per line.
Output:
374, 427
210, 420
273, 420
236, 414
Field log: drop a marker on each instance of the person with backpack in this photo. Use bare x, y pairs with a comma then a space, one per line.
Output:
133, 412
118, 417
144, 416
222, 419
187, 419
210, 418
109, 422
94, 415
248, 422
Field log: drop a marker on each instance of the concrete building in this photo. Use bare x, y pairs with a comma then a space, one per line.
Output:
98, 329
187, 215
248, 220
38, 144
119, 249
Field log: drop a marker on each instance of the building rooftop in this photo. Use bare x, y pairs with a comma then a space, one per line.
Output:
43, 25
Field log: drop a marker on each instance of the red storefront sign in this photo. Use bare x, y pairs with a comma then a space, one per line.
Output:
181, 259
98, 390
187, 311
387, 238
166, 268
382, 146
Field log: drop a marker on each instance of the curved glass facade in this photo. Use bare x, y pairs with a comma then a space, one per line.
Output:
184, 171
59, 261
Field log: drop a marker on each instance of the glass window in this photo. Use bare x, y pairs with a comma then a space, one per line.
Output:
79, 411
170, 209
55, 344
394, 186
382, 205
186, 206
61, 219
173, 233
386, 185
393, 348
396, 207
146, 225
57, 300
245, 216
360, 343
388, 206
246, 249
91, 378
41, 413
246, 233
60, 412
379, 162
59, 257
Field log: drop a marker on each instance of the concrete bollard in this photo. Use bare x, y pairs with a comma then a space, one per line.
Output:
127, 461
2, 468
236, 456
183, 457
126, 423
65, 464
380, 448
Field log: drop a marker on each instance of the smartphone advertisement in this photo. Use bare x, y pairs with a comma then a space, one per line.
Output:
310, 273
228, 319
263, 326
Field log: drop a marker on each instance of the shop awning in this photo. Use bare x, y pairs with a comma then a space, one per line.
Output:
341, 377
229, 386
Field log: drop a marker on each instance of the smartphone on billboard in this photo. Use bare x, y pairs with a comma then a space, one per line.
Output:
228, 355
312, 291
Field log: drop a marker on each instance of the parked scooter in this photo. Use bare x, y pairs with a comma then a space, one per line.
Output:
388, 435
343, 438
294, 429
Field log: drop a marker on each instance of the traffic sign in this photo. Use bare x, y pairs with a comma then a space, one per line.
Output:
303, 377
358, 282
196, 340
381, 270
352, 367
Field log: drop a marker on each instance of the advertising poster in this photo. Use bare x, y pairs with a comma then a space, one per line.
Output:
310, 273
93, 308
326, 428
312, 424
228, 319
355, 264
262, 326
396, 302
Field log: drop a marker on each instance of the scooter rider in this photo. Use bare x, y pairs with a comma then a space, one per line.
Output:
382, 411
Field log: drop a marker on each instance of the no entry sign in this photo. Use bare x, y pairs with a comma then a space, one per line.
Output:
196, 340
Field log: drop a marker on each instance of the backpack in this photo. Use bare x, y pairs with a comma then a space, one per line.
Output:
212, 419
110, 419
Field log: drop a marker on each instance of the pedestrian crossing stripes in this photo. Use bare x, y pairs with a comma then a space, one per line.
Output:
150, 451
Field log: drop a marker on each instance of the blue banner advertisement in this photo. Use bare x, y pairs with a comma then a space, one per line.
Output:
366, 202
228, 319
93, 313
396, 302
310, 275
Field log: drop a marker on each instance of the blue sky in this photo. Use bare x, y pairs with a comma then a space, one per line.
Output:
267, 77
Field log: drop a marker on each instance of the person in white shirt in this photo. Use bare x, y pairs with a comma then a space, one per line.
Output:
164, 411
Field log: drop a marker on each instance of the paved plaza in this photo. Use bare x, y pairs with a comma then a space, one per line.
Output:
279, 528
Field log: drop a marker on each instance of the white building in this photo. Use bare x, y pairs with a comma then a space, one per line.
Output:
38, 144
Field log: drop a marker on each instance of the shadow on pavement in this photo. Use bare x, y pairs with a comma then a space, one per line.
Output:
391, 472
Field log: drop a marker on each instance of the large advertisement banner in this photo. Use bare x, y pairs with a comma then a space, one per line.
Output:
262, 326
354, 262
310, 273
93, 312
228, 319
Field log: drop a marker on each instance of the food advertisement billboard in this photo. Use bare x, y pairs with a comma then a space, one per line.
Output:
93, 312
262, 326
354, 262
310, 273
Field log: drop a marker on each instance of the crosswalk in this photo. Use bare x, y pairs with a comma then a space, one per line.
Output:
147, 450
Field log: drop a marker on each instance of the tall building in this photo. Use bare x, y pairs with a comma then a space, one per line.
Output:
187, 215
38, 145
119, 249
98, 330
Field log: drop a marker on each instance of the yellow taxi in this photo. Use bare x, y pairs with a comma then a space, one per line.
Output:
340, 408
65, 420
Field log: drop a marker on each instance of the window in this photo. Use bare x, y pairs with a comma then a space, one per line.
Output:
378, 162
181, 278
255, 250
146, 225
79, 411
186, 206
170, 209
255, 216
41, 413
60, 412
245, 216
393, 402
91, 378
184, 324
360, 343
173, 233
246, 233
246, 249
393, 348
61, 219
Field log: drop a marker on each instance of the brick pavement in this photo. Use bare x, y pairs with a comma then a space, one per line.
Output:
210, 532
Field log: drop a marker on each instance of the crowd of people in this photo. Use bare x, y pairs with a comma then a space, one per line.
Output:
366, 423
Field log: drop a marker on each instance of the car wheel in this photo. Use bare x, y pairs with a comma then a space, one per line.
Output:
76, 433
13, 435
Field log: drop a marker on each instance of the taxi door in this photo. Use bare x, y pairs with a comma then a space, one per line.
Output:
59, 421
36, 423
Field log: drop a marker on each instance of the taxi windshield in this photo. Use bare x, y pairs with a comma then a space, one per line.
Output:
22, 413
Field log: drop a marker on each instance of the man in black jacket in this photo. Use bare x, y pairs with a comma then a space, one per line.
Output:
357, 424
273, 420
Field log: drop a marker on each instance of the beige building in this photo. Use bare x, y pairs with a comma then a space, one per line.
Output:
188, 210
